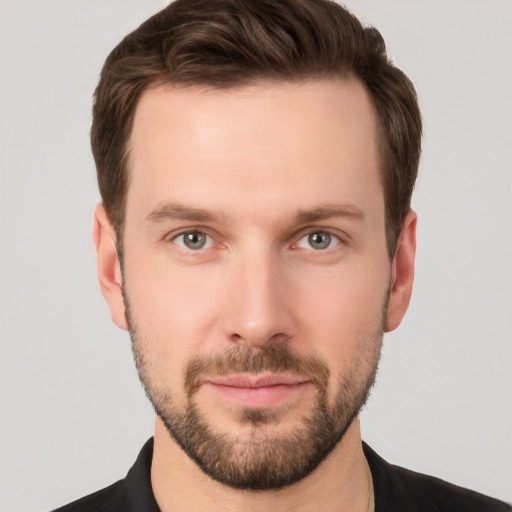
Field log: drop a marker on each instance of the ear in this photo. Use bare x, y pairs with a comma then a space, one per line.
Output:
402, 273
108, 266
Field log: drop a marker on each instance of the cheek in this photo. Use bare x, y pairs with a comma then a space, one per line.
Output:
342, 312
173, 312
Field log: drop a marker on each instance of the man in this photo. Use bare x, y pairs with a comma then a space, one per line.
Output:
256, 162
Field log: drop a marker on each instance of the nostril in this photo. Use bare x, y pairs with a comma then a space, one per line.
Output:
280, 337
259, 341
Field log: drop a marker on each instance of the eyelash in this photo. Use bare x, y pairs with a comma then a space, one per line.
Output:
331, 238
210, 241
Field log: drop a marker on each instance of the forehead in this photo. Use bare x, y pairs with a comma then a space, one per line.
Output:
271, 143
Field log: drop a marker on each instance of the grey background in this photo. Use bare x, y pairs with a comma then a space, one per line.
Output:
73, 415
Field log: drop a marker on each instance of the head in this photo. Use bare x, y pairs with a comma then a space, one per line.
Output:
256, 163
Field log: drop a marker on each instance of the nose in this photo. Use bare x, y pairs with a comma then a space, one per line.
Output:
257, 308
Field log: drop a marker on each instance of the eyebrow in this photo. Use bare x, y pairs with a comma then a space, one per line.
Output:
175, 211
328, 212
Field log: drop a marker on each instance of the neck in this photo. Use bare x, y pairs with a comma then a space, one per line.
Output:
341, 483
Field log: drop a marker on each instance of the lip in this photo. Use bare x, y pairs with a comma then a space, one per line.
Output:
257, 391
257, 381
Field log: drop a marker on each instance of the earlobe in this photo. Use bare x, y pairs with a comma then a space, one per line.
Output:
402, 273
108, 266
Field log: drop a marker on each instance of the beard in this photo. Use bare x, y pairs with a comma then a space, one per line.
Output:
260, 458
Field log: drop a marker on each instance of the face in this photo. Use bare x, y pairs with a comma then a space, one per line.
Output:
255, 275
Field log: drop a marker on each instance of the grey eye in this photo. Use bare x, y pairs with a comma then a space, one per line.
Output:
193, 240
320, 240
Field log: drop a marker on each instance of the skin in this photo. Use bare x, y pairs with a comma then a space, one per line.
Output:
256, 157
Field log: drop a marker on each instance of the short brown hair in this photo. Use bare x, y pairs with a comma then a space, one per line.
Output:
232, 43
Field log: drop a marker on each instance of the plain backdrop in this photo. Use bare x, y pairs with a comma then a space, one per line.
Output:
73, 415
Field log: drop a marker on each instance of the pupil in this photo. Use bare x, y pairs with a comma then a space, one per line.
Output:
194, 240
320, 240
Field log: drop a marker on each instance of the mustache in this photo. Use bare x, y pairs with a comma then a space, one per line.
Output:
273, 358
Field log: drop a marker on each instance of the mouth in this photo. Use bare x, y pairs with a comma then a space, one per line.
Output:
257, 391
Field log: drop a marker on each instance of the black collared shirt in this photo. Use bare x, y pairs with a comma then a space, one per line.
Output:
396, 489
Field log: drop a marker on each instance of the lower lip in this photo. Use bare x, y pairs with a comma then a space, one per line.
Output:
264, 397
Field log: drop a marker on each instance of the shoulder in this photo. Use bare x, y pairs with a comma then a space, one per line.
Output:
109, 499
434, 494
132, 494
397, 488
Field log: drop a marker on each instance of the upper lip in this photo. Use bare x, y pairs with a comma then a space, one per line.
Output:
257, 381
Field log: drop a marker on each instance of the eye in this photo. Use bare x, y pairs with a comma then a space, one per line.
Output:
318, 240
193, 240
